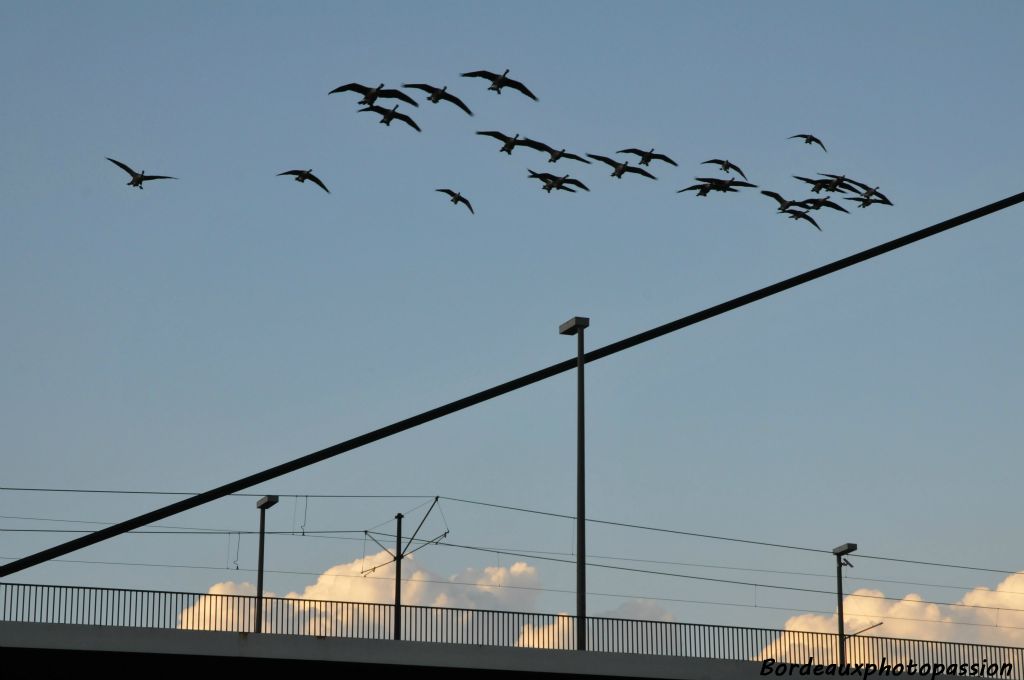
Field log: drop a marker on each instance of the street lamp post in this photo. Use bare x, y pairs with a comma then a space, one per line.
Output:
841, 552
263, 504
575, 326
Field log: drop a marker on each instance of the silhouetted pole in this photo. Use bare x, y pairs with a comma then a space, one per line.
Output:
575, 326
841, 552
398, 578
263, 504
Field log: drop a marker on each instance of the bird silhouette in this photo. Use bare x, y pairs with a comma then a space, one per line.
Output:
507, 143
303, 175
801, 215
784, 203
439, 93
371, 94
620, 167
817, 185
137, 177
810, 139
554, 155
870, 192
647, 156
719, 184
818, 203
726, 166
557, 182
458, 198
498, 82
388, 115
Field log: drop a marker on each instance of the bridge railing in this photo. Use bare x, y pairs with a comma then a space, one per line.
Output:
327, 618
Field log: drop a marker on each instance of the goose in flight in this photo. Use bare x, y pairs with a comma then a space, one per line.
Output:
457, 198
507, 143
620, 167
498, 82
810, 139
865, 201
554, 155
726, 166
784, 203
439, 93
818, 184
819, 203
371, 94
839, 183
137, 177
388, 115
647, 156
870, 192
303, 175
719, 184
801, 215
557, 182
703, 189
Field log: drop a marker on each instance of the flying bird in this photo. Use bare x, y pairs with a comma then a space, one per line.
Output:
508, 143
865, 201
498, 82
554, 155
801, 215
620, 167
726, 166
557, 182
647, 156
719, 184
839, 183
818, 203
784, 203
439, 93
303, 175
870, 192
371, 94
810, 139
388, 115
137, 177
818, 184
457, 198
702, 189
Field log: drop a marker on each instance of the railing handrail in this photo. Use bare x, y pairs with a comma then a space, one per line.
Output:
440, 624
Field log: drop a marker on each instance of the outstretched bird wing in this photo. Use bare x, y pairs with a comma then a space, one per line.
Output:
481, 74
638, 152
534, 144
422, 86
663, 157
146, 178
455, 100
408, 121
604, 159
316, 180
778, 197
575, 182
495, 134
351, 87
123, 167
398, 94
516, 85
468, 204
375, 109
639, 171
695, 187
575, 158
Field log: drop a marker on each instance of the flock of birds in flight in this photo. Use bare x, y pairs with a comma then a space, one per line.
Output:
864, 194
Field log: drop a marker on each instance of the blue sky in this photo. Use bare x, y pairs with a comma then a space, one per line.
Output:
202, 329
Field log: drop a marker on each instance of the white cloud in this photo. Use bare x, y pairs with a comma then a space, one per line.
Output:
909, 617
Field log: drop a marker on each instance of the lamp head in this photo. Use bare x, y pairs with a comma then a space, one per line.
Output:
266, 502
574, 325
844, 549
